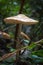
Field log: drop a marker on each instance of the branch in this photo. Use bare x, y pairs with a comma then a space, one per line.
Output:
40, 41
10, 54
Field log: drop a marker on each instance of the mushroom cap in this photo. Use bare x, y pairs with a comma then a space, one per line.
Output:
5, 35
25, 36
20, 19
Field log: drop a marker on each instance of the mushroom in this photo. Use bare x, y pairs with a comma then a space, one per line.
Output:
24, 36
20, 19
5, 35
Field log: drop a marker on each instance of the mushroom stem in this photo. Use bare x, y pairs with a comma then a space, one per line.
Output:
18, 25
18, 42
18, 30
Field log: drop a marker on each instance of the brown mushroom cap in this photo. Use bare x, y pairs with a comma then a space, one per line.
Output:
5, 35
20, 19
25, 36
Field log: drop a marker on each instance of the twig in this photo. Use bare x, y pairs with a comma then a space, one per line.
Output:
10, 54
39, 41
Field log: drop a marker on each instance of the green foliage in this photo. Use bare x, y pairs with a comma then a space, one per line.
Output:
38, 53
32, 45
